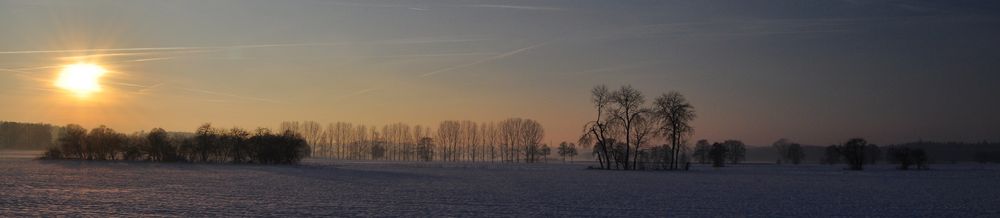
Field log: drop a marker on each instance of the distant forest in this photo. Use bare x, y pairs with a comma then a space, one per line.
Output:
486, 141
208, 144
28, 135
938, 152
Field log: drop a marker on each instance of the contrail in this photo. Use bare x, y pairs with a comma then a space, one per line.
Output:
404, 41
168, 48
137, 54
150, 59
28, 69
518, 7
229, 95
617, 67
484, 60
99, 50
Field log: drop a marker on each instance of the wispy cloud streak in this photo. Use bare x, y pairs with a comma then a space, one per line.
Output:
484, 60
229, 95
518, 7
397, 41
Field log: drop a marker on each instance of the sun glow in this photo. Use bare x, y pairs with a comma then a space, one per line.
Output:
81, 79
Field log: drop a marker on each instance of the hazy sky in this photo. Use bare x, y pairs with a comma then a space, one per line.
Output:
816, 72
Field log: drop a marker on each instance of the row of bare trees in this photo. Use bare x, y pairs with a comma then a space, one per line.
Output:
511, 140
625, 129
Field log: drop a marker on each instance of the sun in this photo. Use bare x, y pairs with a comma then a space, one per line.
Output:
81, 79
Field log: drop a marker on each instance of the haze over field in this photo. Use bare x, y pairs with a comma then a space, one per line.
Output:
814, 71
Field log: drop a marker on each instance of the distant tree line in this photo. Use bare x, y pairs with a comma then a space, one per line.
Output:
988, 156
567, 149
27, 135
208, 144
788, 151
731, 151
624, 131
981, 152
509, 140
857, 152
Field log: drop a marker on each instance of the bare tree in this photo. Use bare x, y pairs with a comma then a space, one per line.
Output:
718, 154
675, 115
736, 151
311, 131
596, 132
643, 131
702, 147
781, 146
469, 132
854, 153
625, 111
448, 136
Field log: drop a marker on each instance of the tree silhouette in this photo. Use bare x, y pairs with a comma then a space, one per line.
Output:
675, 115
919, 158
718, 154
598, 132
72, 143
208, 145
873, 154
701, 151
854, 153
736, 151
425, 149
831, 155
907, 157
795, 153
781, 147
566, 150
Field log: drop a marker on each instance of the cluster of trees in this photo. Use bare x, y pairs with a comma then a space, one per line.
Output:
208, 144
567, 150
984, 151
907, 157
732, 151
510, 140
623, 133
857, 152
871, 153
988, 156
27, 135
788, 151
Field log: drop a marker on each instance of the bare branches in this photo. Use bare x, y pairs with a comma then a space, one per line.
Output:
626, 116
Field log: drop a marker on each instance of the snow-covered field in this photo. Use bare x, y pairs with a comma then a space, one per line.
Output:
324, 188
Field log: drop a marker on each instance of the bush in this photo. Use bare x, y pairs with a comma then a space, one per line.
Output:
52, 154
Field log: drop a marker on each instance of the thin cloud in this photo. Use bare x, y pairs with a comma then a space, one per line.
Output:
151, 59
617, 67
245, 46
518, 7
356, 93
125, 54
737, 28
484, 60
230, 95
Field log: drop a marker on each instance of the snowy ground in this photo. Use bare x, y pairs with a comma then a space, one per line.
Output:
323, 188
